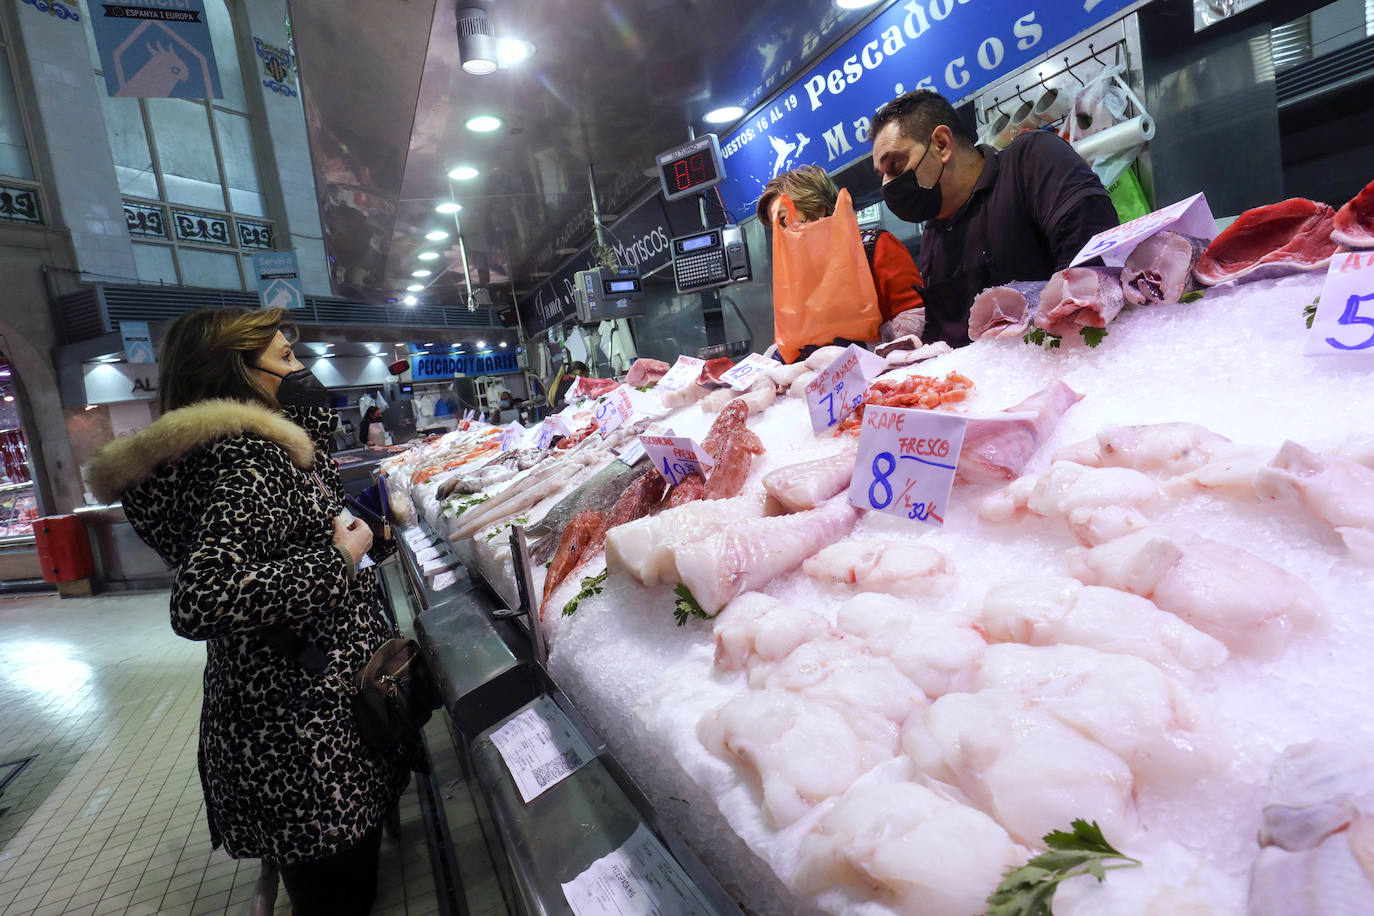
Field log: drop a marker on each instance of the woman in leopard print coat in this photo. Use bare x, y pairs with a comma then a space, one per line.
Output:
239, 495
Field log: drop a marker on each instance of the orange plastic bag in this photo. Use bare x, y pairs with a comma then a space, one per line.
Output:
822, 287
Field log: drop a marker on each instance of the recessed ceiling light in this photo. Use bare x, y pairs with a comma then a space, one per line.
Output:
448, 206
481, 343
415, 287
410, 300
421, 273
463, 173
8, 398
428, 256
503, 344
513, 50
484, 123
438, 235
724, 115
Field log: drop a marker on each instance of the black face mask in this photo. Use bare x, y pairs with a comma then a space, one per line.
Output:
912, 201
299, 389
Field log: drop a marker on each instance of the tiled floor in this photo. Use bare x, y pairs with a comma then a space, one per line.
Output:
102, 700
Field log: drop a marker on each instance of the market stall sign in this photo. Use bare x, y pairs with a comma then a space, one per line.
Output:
1190, 216
743, 374
512, 437
953, 46
551, 428
613, 411
684, 372
155, 51
677, 456
906, 463
450, 365
833, 395
1344, 323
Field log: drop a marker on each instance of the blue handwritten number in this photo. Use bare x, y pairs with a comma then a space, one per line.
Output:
829, 400
668, 470
880, 476
1352, 315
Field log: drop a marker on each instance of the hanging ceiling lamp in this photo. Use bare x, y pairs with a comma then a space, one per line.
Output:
476, 42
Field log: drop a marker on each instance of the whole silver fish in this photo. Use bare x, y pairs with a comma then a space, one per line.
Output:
599, 493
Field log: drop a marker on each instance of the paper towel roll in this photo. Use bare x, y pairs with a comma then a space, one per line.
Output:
1114, 139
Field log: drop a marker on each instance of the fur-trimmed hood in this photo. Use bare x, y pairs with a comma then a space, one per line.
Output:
134, 459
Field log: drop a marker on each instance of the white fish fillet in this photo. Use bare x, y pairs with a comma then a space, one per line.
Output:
1165, 449
939, 652
802, 751
747, 557
841, 671
893, 567
1332, 489
783, 375
1098, 504
756, 627
1248, 603
924, 853
806, 485
1049, 610
824, 356
644, 548
798, 387
685, 395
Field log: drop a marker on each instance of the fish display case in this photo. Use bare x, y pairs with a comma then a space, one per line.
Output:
584, 832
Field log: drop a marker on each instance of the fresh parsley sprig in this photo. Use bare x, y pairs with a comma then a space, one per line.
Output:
1041, 338
1193, 296
1027, 891
686, 606
591, 585
1093, 336
1309, 312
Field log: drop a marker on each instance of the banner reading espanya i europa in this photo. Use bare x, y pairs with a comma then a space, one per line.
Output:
955, 47
155, 48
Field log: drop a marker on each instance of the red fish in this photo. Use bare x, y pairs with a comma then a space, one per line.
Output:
581, 540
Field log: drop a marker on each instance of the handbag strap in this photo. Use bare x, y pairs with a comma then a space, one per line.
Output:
305, 653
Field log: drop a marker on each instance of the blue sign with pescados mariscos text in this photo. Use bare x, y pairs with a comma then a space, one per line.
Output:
955, 47
449, 365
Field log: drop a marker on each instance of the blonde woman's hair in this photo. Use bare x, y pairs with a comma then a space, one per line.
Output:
208, 353
810, 189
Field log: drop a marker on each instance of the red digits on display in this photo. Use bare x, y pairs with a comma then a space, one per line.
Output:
681, 174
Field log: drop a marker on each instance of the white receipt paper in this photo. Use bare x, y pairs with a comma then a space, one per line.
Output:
540, 747
639, 878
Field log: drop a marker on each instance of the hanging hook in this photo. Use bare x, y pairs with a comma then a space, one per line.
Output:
1018, 92
1093, 52
1068, 68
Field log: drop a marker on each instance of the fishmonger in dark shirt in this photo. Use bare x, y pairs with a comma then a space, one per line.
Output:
990, 218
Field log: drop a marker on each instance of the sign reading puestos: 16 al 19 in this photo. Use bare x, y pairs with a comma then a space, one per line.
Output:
906, 463
956, 47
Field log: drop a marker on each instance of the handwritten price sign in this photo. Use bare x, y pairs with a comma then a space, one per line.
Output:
1345, 315
683, 373
551, 428
512, 437
743, 374
834, 393
1191, 216
613, 411
906, 462
677, 456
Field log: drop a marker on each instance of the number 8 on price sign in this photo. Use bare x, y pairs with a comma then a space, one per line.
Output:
906, 462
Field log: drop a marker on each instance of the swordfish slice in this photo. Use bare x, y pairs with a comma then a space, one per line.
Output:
1354, 223
746, 557
1080, 297
1160, 269
1004, 311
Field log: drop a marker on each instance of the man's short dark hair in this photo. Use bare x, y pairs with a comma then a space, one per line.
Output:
918, 113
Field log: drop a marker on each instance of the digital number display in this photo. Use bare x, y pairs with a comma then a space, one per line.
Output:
690, 171
701, 241
691, 168
622, 286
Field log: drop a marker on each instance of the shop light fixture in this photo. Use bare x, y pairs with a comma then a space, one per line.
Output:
410, 300
415, 287
503, 345
484, 124
481, 343
448, 206
724, 115
513, 50
92, 406
438, 235
477, 46
421, 273
9, 398
428, 256
4, 373
463, 173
